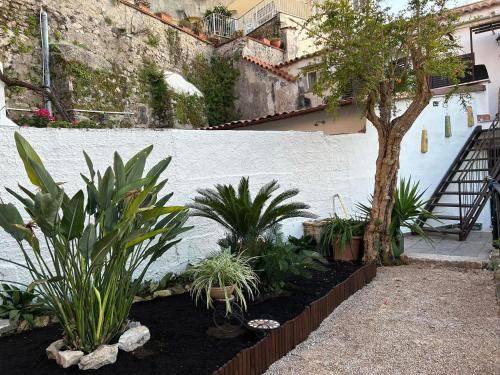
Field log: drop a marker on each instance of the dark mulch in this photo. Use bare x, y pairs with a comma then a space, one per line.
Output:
179, 343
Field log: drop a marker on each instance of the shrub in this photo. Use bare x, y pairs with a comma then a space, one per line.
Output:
247, 219
95, 247
279, 260
40, 118
221, 270
21, 305
153, 40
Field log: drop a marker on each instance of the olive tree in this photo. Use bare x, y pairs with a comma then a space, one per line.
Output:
383, 57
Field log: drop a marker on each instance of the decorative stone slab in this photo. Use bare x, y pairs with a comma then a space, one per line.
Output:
54, 348
134, 338
102, 356
6, 326
67, 358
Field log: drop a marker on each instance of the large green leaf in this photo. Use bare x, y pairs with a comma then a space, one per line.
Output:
46, 182
73, 219
105, 189
9, 217
87, 241
46, 209
27, 153
149, 213
119, 170
135, 166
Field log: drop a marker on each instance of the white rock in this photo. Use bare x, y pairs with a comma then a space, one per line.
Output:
162, 293
103, 355
133, 338
6, 326
67, 358
54, 348
132, 324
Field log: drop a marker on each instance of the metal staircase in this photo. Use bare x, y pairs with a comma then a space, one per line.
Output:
463, 192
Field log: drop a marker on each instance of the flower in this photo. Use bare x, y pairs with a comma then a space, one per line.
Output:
43, 112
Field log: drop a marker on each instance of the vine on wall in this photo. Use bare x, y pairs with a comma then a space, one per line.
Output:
216, 78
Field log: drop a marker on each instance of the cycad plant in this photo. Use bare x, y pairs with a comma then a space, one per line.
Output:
92, 249
245, 218
409, 206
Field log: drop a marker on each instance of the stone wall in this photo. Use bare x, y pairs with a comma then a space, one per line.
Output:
246, 46
97, 48
260, 92
192, 8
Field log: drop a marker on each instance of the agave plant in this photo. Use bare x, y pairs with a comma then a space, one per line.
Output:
409, 206
93, 249
246, 219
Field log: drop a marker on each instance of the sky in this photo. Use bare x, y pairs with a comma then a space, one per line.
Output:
397, 5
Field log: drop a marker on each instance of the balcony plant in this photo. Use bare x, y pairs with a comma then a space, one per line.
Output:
344, 237
222, 276
275, 40
93, 248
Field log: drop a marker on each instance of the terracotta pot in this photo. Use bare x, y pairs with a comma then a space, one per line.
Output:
144, 8
276, 43
351, 252
164, 16
202, 36
218, 293
266, 41
187, 29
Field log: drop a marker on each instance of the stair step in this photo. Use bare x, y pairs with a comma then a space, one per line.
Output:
447, 217
437, 230
471, 170
465, 181
476, 159
452, 205
457, 193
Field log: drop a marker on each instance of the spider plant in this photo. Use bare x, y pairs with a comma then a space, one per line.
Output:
245, 218
224, 270
93, 249
409, 207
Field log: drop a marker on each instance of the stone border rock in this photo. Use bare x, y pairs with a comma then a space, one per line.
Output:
134, 337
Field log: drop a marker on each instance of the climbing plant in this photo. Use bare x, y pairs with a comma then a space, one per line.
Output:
160, 98
216, 79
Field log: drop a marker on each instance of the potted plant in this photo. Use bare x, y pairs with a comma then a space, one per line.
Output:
266, 41
275, 41
143, 5
164, 16
186, 25
224, 276
345, 236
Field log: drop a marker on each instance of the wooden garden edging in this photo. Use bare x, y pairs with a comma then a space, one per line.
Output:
256, 359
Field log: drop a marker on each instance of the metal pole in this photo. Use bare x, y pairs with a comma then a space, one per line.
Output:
44, 24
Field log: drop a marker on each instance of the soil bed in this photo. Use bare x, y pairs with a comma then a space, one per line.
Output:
179, 343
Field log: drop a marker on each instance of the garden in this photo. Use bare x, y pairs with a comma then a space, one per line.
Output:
90, 305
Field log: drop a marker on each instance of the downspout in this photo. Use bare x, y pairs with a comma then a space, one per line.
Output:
44, 26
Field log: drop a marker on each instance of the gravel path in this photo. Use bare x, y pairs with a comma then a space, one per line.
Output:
410, 320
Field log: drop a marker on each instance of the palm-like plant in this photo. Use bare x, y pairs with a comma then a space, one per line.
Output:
245, 218
409, 207
94, 248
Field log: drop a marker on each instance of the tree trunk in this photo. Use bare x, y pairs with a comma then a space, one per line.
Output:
377, 236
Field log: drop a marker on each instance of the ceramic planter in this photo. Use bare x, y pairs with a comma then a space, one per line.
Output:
276, 43
144, 8
218, 293
351, 252
202, 36
266, 41
164, 16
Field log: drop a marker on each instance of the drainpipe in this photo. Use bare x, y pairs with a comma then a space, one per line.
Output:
44, 25
4, 121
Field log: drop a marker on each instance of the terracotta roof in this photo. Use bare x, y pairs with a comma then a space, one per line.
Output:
269, 118
303, 57
469, 8
270, 67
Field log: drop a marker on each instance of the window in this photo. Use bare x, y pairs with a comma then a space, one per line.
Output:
309, 80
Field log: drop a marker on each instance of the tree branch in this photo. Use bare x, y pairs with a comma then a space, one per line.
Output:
38, 89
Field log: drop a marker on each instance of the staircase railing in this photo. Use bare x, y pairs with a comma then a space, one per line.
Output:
483, 162
494, 187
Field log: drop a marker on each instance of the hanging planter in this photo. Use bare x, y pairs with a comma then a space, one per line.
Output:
447, 126
470, 117
424, 142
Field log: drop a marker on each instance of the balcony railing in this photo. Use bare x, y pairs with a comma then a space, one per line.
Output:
267, 9
219, 25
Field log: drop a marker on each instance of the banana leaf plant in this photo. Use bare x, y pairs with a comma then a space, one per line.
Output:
409, 207
93, 243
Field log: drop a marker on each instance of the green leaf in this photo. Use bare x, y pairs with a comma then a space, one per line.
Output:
46, 183
47, 208
103, 245
89, 165
119, 170
135, 166
105, 189
149, 213
27, 154
87, 241
145, 236
73, 219
9, 217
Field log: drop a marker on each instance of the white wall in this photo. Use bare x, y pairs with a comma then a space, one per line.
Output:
318, 165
